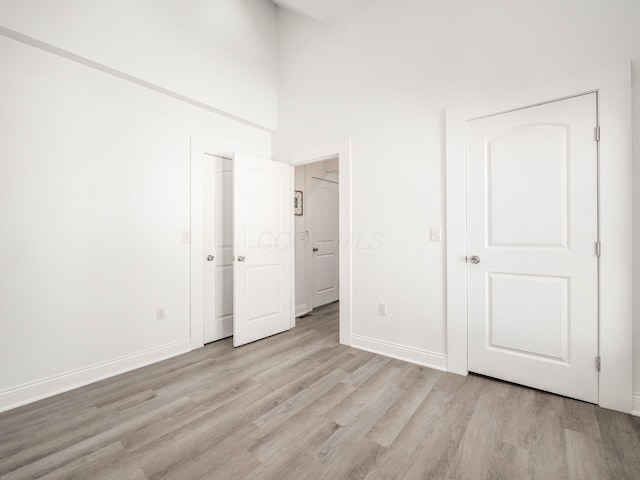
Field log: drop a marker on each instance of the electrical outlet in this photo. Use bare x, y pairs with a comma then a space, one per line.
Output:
186, 236
382, 309
435, 234
161, 313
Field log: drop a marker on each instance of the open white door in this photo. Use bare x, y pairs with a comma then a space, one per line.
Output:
263, 242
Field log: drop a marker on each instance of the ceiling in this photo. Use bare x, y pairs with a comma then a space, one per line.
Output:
328, 12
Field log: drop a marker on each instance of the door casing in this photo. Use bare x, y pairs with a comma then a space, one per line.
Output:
613, 87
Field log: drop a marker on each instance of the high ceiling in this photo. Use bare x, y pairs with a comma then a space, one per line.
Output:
325, 11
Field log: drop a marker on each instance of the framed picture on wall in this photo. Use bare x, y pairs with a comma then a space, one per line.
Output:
297, 202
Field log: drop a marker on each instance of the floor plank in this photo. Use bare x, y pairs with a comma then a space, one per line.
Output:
301, 406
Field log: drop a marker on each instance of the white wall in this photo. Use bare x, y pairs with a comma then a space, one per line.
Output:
384, 77
94, 196
218, 52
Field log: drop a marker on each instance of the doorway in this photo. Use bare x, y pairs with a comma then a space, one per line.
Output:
612, 86
339, 149
317, 235
279, 179
241, 249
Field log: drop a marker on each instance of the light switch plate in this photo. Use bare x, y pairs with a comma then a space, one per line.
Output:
435, 234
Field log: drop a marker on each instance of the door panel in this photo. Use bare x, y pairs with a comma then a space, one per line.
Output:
537, 325
262, 219
218, 211
325, 272
263, 200
532, 221
264, 282
324, 233
521, 164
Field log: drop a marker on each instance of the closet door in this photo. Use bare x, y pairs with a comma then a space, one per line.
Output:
218, 242
263, 243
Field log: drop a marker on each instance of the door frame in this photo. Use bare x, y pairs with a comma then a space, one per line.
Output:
199, 147
613, 87
340, 149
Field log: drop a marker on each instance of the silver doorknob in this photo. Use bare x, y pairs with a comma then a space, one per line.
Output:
210, 258
241, 258
315, 249
475, 259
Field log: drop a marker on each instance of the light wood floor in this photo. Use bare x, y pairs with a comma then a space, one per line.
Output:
301, 406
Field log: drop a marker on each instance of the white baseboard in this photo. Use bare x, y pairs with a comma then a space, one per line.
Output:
301, 310
47, 387
425, 358
636, 404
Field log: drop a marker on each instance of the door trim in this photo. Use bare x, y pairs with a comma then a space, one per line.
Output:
341, 149
199, 147
613, 86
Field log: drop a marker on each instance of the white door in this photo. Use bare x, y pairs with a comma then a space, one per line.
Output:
323, 227
263, 248
532, 224
218, 242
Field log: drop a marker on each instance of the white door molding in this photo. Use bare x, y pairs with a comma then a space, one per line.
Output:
613, 86
341, 149
199, 148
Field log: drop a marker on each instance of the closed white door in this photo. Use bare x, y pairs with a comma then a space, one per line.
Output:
218, 241
323, 227
263, 243
532, 200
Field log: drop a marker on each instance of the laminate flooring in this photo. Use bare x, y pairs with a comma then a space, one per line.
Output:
301, 406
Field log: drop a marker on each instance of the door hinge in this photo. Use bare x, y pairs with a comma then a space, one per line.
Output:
597, 133
598, 362
598, 248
